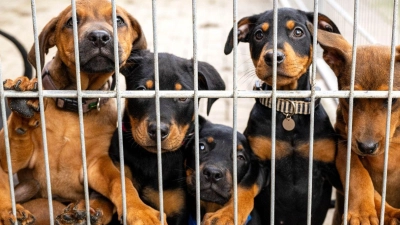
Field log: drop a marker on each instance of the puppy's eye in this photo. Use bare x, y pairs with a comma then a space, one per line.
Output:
241, 157
328, 27
298, 32
259, 35
202, 147
141, 88
120, 21
182, 99
70, 23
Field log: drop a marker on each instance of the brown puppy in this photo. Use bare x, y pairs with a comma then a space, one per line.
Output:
369, 125
62, 126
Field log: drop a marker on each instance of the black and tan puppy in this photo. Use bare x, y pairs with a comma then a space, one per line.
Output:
177, 116
96, 51
216, 169
368, 129
294, 56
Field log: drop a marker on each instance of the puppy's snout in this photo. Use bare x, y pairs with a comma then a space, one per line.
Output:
269, 57
152, 131
212, 174
368, 147
99, 38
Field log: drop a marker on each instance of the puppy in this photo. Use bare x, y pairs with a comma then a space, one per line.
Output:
177, 127
294, 56
96, 50
369, 126
216, 169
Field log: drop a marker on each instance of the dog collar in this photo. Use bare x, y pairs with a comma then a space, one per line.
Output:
71, 104
288, 107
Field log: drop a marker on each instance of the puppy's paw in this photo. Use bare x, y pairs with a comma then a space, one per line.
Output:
25, 107
216, 218
21, 84
392, 216
23, 217
144, 215
363, 218
76, 215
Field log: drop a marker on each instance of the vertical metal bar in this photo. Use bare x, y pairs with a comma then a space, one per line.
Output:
80, 110
196, 111
41, 108
348, 19
273, 116
157, 98
389, 110
7, 145
119, 110
235, 102
351, 103
312, 116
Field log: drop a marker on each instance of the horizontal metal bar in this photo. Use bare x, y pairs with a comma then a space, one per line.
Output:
203, 94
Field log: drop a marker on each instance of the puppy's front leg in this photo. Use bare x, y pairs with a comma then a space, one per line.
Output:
361, 190
21, 125
105, 178
21, 151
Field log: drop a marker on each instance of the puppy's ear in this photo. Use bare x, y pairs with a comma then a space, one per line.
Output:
140, 42
46, 41
209, 79
134, 60
337, 51
324, 23
245, 26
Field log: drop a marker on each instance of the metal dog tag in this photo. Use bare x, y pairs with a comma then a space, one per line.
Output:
288, 124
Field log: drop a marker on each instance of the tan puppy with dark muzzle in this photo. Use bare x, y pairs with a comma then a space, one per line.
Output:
96, 51
369, 126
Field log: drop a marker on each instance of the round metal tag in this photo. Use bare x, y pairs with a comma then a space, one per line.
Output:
288, 124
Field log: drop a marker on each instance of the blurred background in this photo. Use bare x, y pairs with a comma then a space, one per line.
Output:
175, 35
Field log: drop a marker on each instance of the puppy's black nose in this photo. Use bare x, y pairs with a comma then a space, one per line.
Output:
99, 38
269, 57
152, 131
212, 174
367, 147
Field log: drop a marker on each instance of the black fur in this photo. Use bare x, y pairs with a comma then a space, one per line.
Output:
141, 159
292, 168
216, 163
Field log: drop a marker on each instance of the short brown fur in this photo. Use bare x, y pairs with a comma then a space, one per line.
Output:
369, 124
62, 127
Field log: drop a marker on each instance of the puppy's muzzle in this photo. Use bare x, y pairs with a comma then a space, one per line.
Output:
212, 174
152, 131
269, 57
99, 38
367, 147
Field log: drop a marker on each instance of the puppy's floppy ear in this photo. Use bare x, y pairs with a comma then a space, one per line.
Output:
324, 23
46, 41
245, 26
209, 79
134, 60
337, 51
140, 42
